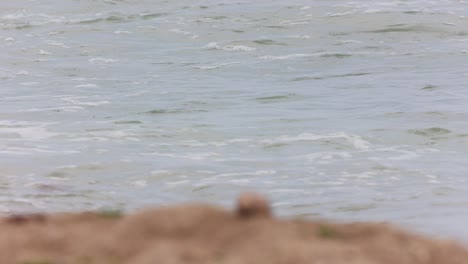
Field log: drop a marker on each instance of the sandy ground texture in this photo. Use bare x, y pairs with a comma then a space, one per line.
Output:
209, 235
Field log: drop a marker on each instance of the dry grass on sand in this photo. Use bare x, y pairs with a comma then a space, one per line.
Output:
209, 235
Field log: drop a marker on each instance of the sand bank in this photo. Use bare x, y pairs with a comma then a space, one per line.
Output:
205, 234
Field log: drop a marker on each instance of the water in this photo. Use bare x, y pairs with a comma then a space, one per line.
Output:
344, 110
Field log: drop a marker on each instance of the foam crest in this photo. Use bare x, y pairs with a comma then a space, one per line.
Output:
356, 141
190, 156
214, 66
77, 101
25, 130
216, 46
326, 157
286, 57
102, 60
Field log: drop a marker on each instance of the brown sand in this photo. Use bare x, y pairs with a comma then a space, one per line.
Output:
208, 235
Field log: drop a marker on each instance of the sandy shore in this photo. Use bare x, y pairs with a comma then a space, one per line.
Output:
204, 234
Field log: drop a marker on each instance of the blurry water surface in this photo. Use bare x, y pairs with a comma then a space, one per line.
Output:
343, 110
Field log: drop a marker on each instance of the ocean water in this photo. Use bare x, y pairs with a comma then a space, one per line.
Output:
352, 111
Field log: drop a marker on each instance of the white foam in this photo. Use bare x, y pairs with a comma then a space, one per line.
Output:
29, 83
247, 173
215, 66
106, 136
405, 155
346, 41
44, 53
299, 36
239, 140
211, 67
354, 140
238, 48
362, 175
76, 101
178, 182
341, 14
140, 183
216, 46
161, 172
295, 22
179, 31
286, 57
102, 60
190, 156
58, 44
22, 73
212, 45
122, 32
26, 130
240, 181
325, 157
69, 108
88, 85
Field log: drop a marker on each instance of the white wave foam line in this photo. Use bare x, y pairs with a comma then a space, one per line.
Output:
354, 140
163, 173
247, 173
285, 57
29, 83
295, 22
74, 101
23, 72
179, 31
190, 156
105, 136
216, 46
194, 143
21, 151
405, 155
299, 36
122, 32
17, 123
238, 48
327, 156
44, 53
140, 183
181, 182
63, 108
342, 14
401, 152
33, 133
58, 44
362, 175
88, 85
32, 19
102, 60
214, 66
185, 33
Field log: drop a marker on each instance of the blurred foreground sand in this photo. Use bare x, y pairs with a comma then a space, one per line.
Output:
204, 234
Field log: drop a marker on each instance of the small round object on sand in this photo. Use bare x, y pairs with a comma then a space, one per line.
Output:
252, 204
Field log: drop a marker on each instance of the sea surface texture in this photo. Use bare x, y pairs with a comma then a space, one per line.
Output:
353, 111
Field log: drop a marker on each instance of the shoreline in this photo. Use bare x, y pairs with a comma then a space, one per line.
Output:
205, 234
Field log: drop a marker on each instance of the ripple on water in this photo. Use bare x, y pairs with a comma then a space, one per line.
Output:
307, 78
353, 141
269, 42
430, 132
277, 98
